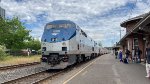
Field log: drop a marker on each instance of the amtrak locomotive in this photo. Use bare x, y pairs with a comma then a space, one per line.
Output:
64, 43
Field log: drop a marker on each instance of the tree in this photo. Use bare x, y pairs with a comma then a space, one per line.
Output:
2, 52
33, 44
13, 33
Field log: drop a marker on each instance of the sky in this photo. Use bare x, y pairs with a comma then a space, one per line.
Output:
100, 19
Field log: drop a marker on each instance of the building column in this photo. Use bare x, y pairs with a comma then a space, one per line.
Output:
141, 45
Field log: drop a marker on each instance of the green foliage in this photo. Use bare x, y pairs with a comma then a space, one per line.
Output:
13, 33
39, 51
2, 52
33, 44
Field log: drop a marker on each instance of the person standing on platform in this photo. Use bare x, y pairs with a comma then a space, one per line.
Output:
148, 60
133, 55
138, 55
127, 55
116, 54
120, 56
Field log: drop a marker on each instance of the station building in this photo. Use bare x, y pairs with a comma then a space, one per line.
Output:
137, 34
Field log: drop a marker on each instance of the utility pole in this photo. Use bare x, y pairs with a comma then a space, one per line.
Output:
113, 40
120, 33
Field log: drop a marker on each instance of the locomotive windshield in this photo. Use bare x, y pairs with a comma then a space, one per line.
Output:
49, 26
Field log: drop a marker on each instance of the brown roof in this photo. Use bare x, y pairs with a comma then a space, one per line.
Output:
123, 24
136, 27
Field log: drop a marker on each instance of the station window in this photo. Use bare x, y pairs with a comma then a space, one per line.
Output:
135, 43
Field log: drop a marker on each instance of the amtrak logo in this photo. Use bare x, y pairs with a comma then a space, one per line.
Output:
54, 34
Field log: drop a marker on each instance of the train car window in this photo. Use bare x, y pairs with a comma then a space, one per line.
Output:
78, 46
62, 25
49, 26
44, 40
68, 25
83, 33
55, 26
65, 25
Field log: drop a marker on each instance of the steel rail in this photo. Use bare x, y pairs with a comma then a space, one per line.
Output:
18, 66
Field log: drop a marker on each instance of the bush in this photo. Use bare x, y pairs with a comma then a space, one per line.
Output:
39, 52
2, 52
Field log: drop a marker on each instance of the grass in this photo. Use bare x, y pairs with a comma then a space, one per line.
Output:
13, 60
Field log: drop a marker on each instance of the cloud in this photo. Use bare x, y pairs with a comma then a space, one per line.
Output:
98, 18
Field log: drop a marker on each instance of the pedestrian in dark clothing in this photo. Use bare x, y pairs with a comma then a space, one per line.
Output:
127, 55
133, 55
116, 54
138, 55
120, 56
148, 59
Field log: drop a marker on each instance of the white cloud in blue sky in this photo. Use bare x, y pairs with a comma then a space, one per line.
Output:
100, 19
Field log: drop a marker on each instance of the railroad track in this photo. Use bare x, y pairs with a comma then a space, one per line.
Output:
42, 76
35, 78
18, 66
48, 77
39, 77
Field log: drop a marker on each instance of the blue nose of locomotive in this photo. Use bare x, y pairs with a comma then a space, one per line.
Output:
58, 31
58, 34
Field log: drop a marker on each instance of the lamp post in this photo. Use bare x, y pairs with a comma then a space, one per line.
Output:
113, 41
120, 33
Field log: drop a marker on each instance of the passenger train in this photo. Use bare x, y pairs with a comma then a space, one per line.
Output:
64, 43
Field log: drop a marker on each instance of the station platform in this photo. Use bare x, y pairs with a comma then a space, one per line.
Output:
105, 70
